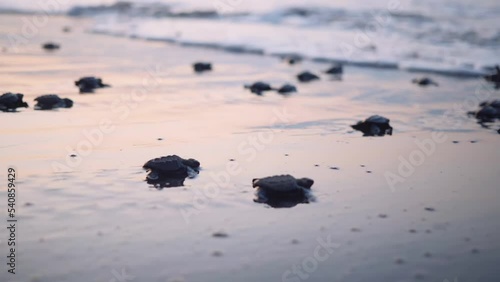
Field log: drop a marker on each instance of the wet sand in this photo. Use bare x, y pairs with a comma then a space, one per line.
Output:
93, 216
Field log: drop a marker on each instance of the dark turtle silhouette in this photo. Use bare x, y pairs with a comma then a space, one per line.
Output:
374, 126
286, 89
494, 77
283, 190
12, 101
49, 46
259, 87
202, 67
89, 84
307, 76
171, 168
489, 111
424, 81
52, 101
336, 69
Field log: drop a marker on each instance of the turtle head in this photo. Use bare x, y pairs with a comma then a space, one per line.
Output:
68, 103
21, 103
359, 126
305, 182
255, 182
191, 163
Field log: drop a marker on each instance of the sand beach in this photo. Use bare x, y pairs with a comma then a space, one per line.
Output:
420, 205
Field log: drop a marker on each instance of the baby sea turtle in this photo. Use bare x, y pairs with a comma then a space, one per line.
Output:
307, 76
374, 126
202, 67
488, 112
89, 84
283, 190
424, 81
336, 69
52, 101
494, 77
51, 46
287, 88
12, 101
259, 87
171, 167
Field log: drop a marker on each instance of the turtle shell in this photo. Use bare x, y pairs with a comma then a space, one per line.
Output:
377, 119
49, 101
11, 101
307, 76
169, 165
287, 88
488, 113
278, 183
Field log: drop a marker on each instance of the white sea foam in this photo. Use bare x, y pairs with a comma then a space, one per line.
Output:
450, 37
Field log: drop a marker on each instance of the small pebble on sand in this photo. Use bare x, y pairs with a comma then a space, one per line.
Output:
220, 235
399, 261
217, 254
430, 209
382, 215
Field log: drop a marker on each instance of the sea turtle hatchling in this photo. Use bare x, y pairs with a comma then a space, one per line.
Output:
171, 166
336, 69
424, 81
283, 184
307, 76
489, 111
202, 67
374, 126
283, 190
89, 83
52, 101
50, 46
286, 89
12, 101
258, 87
